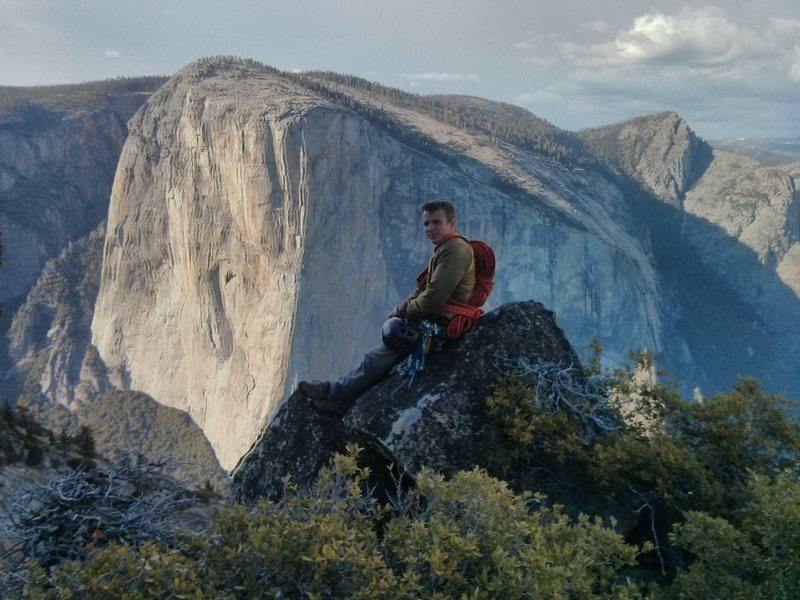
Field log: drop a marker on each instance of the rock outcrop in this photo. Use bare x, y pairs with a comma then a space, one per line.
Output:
438, 419
757, 210
660, 152
296, 445
49, 340
726, 243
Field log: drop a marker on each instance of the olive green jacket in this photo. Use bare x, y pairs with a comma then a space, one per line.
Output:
451, 276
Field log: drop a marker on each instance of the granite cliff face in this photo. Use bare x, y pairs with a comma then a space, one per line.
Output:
262, 224
57, 164
259, 233
59, 372
724, 233
49, 340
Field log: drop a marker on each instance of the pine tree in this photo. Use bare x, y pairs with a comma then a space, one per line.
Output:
23, 417
34, 455
84, 440
7, 414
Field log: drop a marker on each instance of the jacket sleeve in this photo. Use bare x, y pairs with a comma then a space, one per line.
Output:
452, 264
400, 309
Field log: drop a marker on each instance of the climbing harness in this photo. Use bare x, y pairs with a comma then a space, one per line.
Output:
415, 362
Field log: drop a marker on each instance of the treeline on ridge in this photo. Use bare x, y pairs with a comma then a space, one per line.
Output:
498, 120
77, 96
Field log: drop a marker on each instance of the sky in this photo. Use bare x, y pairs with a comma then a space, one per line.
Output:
730, 68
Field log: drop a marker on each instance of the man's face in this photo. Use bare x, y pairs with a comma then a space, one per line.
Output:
437, 227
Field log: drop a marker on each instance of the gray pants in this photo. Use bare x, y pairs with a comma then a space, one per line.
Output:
376, 365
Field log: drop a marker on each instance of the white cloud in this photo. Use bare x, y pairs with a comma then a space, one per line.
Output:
709, 65
112, 54
535, 40
688, 61
440, 76
785, 29
709, 99
698, 37
598, 26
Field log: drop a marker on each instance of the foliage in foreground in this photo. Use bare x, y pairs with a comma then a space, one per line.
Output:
756, 558
469, 536
716, 484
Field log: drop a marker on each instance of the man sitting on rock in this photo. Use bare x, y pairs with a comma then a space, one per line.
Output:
450, 277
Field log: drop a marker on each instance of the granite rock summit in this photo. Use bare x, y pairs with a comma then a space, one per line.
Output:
438, 419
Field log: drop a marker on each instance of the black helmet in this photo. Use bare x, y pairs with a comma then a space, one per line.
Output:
400, 335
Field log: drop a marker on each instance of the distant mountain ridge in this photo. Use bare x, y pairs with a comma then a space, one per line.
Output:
244, 196
58, 151
773, 151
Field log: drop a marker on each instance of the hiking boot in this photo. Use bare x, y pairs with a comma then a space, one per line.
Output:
315, 390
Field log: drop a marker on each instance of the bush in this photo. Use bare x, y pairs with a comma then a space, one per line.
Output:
713, 483
68, 515
661, 456
756, 558
702, 457
469, 536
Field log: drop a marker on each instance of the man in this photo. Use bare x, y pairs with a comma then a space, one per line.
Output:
450, 276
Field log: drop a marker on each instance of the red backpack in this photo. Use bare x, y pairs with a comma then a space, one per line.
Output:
466, 313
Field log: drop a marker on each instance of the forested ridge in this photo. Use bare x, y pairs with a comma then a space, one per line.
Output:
75, 96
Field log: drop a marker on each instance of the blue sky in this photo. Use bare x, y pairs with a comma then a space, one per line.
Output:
730, 68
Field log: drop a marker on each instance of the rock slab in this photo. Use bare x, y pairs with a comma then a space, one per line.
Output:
437, 420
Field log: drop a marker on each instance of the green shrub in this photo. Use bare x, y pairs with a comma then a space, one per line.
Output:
663, 457
715, 478
468, 536
472, 533
756, 558
702, 457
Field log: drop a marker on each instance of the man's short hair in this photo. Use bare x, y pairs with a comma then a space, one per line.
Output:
434, 205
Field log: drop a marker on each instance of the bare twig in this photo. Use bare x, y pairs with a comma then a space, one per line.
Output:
563, 385
649, 505
69, 515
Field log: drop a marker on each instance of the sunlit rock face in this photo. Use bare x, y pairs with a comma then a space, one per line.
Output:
660, 152
258, 233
